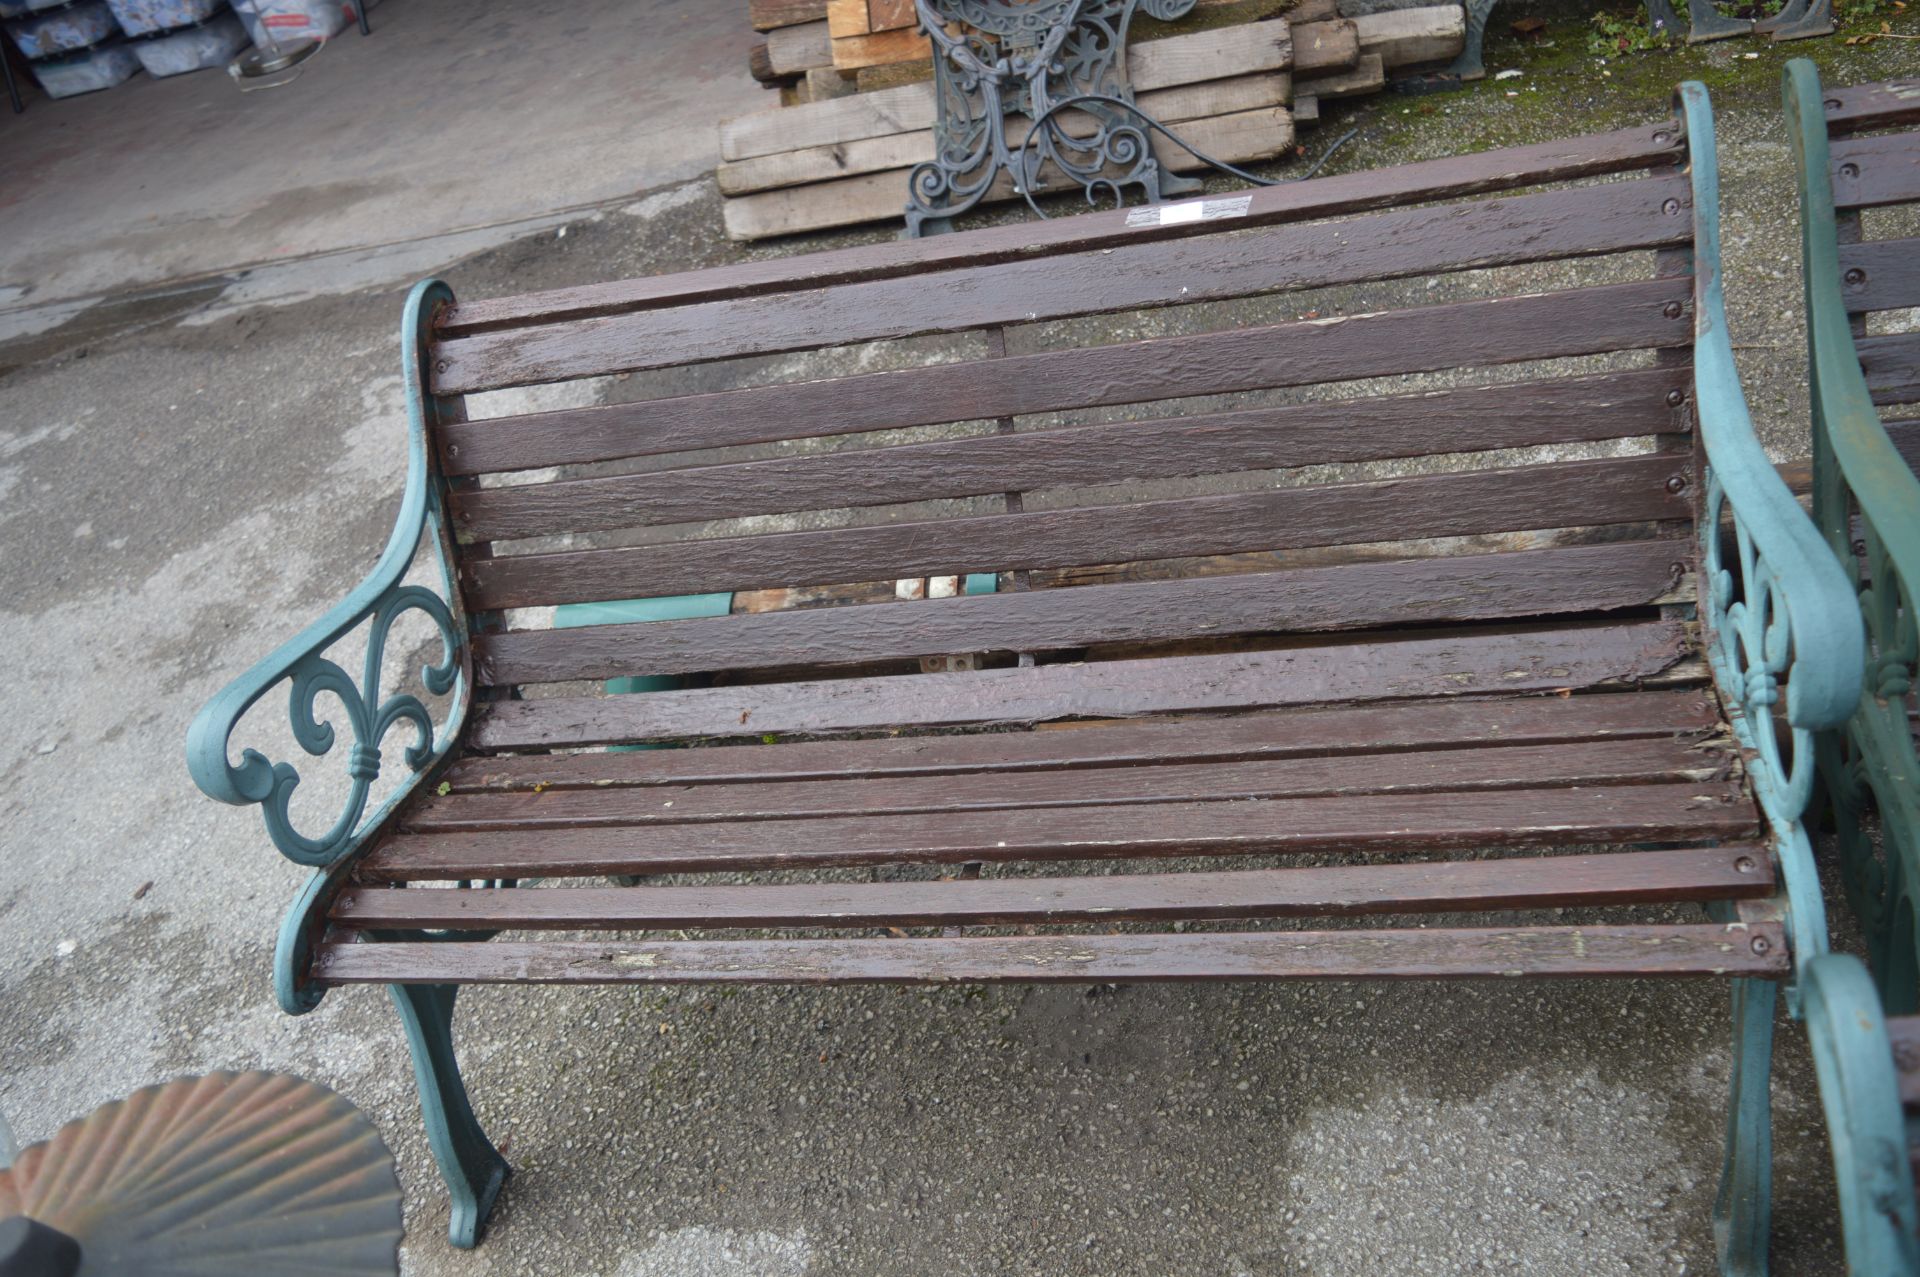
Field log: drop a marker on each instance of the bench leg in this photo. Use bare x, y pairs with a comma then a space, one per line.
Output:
471, 1166
1744, 1209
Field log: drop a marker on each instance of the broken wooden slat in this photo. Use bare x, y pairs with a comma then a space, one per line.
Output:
1471, 419
1303, 600
1548, 495
1529, 660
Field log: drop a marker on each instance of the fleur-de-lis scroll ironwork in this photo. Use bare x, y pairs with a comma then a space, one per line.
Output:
303, 664
1781, 633
995, 58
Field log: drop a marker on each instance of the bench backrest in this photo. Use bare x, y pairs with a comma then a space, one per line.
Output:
1241, 456
1874, 164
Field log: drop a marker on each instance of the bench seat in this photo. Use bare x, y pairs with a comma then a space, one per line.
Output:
1098, 824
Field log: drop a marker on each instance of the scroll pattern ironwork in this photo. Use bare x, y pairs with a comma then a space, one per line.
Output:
1782, 635
993, 58
303, 664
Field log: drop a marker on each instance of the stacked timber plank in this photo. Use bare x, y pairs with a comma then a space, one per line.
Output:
1230, 79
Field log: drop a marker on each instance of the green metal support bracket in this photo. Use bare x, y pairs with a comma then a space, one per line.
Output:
1853, 1059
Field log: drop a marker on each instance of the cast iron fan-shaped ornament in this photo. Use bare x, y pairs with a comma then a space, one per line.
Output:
228, 1175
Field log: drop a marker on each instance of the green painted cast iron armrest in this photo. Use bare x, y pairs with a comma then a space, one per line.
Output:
1858, 473
1783, 615
378, 602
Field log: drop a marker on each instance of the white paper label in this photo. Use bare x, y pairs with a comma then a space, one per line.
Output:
1190, 211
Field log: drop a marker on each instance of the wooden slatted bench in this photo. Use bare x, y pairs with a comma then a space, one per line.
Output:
1859, 152
1490, 604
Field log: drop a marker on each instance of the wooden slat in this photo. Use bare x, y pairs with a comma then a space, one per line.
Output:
1403, 37
1904, 1030
1321, 47
1367, 75
1546, 226
1892, 366
1383, 823
1239, 138
1473, 419
793, 50
1444, 724
1873, 172
1886, 104
1158, 64
768, 14
1241, 49
1646, 146
1522, 882
901, 150
880, 48
1533, 660
1547, 495
1905, 436
1484, 333
1564, 580
1620, 762
1704, 949
1888, 275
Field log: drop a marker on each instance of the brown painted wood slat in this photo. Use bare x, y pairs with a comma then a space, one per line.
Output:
1383, 823
1527, 583
1882, 274
1701, 949
1905, 1032
1456, 664
1885, 104
1512, 767
1355, 730
1874, 172
1741, 871
1644, 146
1550, 225
1892, 366
1648, 313
1651, 486
1905, 436
1481, 418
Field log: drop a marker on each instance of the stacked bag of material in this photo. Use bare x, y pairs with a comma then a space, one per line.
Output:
74, 47
176, 36
78, 46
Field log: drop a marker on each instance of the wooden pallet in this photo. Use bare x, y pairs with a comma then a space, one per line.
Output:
837, 156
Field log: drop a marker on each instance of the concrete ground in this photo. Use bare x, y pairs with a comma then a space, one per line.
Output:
188, 472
